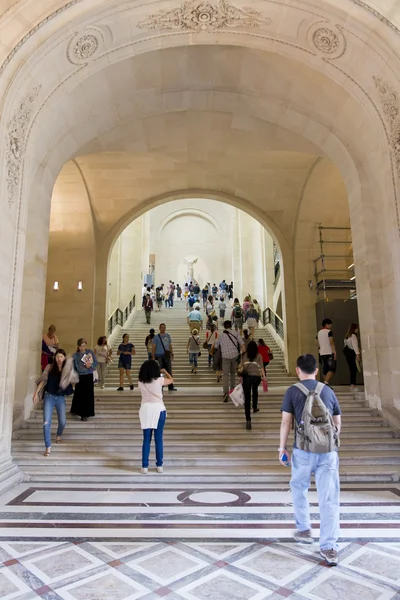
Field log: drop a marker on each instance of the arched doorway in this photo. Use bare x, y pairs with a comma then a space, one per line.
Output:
266, 101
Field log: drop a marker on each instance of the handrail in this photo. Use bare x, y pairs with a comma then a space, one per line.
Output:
120, 317
271, 318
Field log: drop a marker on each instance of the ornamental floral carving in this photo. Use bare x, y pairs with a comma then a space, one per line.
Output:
327, 39
84, 46
391, 108
17, 130
197, 15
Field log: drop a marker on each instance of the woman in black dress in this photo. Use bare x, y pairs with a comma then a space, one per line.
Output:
85, 364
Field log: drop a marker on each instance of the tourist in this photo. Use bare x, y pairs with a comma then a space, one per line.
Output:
179, 292
252, 370
103, 354
159, 298
351, 351
223, 287
186, 295
196, 291
163, 353
231, 347
147, 307
53, 396
191, 287
85, 363
195, 318
210, 305
257, 307
238, 316
125, 352
214, 320
193, 349
50, 344
327, 350
247, 338
211, 338
149, 343
246, 305
152, 413
209, 322
171, 294
153, 294
230, 291
204, 293
145, 289
252, 319
324, 466
214, 291
222, 307
265, 351
192, 300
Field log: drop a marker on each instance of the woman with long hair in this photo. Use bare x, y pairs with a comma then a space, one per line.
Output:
103, 354
265, 351
53, 397
85, 363
351, 351
211, 338
50, 344
152, 413
252, 319
209, 305
125, 352
252, 372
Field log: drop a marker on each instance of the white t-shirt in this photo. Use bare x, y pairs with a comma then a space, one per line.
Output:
352, 343
102, 353
152, 403
324, 341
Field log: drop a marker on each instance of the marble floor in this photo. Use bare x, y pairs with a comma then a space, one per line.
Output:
89, 542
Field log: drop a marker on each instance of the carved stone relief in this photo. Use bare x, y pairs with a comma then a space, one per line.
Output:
327, 39
198, 15
17, 130
391, 108
84, 45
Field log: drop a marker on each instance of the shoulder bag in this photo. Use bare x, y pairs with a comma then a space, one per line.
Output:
166, 352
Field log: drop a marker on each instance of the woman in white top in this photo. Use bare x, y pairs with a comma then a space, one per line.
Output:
103, 354
351, 351
152, 413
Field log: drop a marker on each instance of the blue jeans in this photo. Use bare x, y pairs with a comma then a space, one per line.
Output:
193, 358
171, 299
158, 440
210, 358
49, 402
326, 471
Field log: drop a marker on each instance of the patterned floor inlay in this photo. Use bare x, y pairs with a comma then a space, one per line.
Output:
203, 570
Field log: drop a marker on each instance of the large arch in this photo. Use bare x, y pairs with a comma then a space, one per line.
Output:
284, 61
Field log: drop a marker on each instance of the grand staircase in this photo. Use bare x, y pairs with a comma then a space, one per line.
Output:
205, 440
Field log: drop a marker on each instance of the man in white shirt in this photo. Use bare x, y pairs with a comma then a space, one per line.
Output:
327, 350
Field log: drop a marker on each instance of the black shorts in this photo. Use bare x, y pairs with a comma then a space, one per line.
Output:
328, 364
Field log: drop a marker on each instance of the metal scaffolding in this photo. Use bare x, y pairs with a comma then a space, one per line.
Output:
327, 278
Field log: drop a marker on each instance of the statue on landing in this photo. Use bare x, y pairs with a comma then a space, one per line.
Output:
191, 261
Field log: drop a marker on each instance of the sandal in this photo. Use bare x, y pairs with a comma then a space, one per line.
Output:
47, 452
59, 439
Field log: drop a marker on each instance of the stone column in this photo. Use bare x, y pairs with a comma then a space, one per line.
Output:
145, 245
269, 269
236, 255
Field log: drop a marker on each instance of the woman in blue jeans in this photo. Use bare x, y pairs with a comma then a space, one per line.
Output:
152, 412
54, 396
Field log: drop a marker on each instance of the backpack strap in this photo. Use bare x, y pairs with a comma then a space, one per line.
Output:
300, 386
319, 388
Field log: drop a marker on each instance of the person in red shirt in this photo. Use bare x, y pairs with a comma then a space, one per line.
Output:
265, 352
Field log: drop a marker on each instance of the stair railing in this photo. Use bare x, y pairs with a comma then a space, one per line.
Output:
271, 318
120, 317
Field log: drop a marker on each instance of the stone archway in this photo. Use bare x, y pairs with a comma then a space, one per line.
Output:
49, 120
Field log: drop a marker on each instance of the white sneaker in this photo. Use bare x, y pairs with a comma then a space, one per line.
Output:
144, 470
160, 470
102, 387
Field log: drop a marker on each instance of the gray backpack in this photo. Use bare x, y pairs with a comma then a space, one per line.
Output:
316, 432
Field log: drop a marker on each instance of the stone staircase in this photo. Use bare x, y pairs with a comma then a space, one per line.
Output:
205, 440
177, 327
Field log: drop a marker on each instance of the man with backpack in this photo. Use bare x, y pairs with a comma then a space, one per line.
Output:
317, 418
238, 317
232, 347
